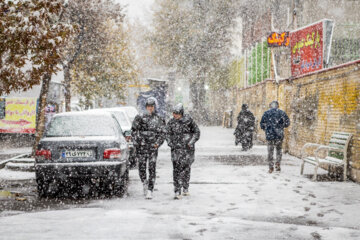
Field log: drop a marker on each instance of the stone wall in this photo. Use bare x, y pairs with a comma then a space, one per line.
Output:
318, 104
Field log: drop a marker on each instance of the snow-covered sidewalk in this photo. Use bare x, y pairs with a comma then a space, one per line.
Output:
228, 201
5, 152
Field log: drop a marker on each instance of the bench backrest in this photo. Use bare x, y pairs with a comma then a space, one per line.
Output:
341, 141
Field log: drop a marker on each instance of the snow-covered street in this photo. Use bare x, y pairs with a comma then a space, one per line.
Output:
232, 197
186, 120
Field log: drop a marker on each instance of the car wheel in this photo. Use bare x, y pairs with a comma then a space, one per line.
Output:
132, 160
42, 188
121, 186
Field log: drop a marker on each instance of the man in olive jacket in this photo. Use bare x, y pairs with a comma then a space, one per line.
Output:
182, 134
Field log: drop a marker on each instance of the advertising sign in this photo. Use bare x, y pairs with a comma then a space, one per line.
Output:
20, 116
278, 39
307, 49
50, 111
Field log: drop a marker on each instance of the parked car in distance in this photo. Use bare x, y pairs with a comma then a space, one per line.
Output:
82, 146
125, 124
131, 112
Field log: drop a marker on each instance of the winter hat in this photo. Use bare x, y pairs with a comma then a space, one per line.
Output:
244, 107
274, 104
151, 101
179, 109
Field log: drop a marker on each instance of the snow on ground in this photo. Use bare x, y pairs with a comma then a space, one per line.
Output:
228, 201
6, 174
15, 150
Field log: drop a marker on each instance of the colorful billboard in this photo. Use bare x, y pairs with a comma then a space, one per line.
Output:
278, 39
307, 49
20, 116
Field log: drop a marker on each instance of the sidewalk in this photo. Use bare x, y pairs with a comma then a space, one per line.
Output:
9, 175
232, 197
6, 153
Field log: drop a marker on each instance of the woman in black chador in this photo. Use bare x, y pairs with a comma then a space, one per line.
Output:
245, 128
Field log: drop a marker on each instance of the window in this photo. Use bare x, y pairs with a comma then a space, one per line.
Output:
81, 125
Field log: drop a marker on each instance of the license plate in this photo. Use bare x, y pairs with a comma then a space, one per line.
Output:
77, 154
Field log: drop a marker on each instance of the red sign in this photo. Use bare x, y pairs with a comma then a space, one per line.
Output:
307, 49
278, 39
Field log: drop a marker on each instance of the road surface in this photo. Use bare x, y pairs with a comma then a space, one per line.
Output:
232, 197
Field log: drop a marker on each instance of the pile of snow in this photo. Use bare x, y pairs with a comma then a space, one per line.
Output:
10, 175
18, 168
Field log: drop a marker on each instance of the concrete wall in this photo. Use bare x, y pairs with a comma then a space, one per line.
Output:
318, 104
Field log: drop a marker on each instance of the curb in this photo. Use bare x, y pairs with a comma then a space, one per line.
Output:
16, 158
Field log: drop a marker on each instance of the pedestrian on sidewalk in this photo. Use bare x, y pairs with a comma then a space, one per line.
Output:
182, 134
245, 128
273, 123
148, 133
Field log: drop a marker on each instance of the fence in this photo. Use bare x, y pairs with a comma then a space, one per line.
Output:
259, 63
252, 68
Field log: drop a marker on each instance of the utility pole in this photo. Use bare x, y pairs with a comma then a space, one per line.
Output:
294, 14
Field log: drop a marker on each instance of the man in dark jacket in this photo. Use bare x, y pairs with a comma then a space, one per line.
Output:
273, 123
245, 128
148, 133
182, 133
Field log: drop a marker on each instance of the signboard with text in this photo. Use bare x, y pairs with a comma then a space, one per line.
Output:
278, 39
307, 49
20, 116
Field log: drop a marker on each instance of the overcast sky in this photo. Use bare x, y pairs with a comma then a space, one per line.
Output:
138, 9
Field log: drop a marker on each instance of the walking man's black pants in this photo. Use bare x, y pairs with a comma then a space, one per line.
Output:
271, 145
143, 159
182, 160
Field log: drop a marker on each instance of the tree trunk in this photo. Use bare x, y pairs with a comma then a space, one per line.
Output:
40, 118
87, 103
67, 87
197, 91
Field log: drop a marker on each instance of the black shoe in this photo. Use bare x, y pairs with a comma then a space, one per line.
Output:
277, 167
271, 170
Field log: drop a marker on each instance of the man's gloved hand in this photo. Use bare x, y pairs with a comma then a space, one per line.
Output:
191, 146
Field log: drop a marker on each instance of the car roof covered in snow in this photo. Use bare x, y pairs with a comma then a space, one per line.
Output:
84, 113
115, 109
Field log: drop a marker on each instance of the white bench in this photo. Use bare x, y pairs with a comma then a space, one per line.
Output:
336, 153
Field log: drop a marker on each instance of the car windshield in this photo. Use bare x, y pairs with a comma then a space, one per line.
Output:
121, 118
81, 125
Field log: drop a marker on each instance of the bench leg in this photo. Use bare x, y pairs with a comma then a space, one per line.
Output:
345, 173
302, 168
315, 174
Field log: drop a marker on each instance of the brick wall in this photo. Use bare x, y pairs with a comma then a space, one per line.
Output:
318, 104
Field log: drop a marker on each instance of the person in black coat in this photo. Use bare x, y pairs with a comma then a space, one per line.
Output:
148, 134
273, 123
245, 128
182, 134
